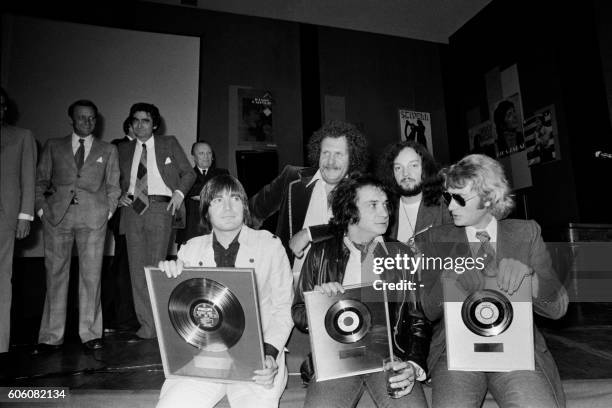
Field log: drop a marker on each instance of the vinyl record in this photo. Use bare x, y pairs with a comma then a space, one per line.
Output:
206, 314
348, 321
487, 313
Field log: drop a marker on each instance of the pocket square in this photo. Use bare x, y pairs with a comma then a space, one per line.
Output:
168, 161
99, 160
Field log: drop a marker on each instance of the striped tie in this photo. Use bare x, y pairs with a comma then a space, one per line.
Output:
79, 157
141, 189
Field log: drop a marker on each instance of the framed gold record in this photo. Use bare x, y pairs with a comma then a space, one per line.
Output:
208, 323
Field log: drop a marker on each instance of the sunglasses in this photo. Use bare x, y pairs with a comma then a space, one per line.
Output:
458, 199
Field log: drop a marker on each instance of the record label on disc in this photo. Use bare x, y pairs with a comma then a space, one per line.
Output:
487, 313
348, 321
206, 314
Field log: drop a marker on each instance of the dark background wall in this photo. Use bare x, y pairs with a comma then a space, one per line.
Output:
556, 48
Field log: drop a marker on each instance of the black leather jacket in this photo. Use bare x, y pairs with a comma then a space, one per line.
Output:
326, 262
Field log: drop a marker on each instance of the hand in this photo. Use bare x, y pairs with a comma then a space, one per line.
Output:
471, 280
511, 274
404, 381
175, 202
330, 288
124, 200
299, 242
23, 229
266, 376
172, 269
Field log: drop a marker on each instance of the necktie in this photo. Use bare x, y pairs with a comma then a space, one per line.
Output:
141, 189
486, 252
79, 156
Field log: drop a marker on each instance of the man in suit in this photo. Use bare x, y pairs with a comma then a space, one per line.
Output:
412, 173
17, 177
479, 198
117, 302
205, 168
155, 178
77, 186
300, 194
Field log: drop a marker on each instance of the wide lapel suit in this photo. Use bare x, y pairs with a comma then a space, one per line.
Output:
75, 205
148, 234
289, 194
517, 239
17, 178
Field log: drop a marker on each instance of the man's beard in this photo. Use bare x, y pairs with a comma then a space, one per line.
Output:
409, 192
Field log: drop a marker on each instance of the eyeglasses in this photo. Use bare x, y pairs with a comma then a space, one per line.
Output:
458, 199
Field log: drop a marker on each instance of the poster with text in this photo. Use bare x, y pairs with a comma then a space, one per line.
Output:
255, 125
416, 126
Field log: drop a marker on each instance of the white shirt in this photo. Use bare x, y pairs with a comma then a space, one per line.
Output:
87, 142
318, 212
155, 183
491, 229
407, 219
353, 274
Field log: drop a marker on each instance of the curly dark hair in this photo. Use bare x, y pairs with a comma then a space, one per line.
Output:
343, 200
148, 108
431, 181
219, 185
357, 144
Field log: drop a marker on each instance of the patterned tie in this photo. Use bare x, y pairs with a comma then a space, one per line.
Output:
487, 252
79, 156
141, 189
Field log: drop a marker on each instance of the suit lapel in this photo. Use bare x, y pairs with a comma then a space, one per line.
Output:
508, 246
300, 199
94, 153
425, 217
395, 220
67, 151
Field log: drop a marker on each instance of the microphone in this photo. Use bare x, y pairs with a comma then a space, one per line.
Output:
602, 155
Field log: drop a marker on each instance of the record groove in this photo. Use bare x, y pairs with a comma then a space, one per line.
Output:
206, 314
487, 313
348, 321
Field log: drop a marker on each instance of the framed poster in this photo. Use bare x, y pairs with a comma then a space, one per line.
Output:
255, 123
542, 137
508, 126
416, 126
482, 140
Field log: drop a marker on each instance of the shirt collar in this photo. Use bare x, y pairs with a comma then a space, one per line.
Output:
234, 241
491, 229
75, 138
315, 178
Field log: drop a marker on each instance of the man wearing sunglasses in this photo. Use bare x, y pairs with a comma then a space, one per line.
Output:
479, 199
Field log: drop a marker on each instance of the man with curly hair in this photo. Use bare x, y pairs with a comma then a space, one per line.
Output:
478, 197
300, 194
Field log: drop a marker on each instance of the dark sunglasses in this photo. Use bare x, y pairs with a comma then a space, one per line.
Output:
458, 199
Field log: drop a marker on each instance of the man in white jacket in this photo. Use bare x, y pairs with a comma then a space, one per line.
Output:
223, 204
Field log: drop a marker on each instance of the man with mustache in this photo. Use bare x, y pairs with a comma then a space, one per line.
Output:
300, 194
410, 171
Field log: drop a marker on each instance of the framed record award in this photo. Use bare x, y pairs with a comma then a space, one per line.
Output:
208, 323
349, 332
488, 330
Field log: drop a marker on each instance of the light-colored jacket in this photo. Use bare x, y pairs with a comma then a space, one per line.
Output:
265, 253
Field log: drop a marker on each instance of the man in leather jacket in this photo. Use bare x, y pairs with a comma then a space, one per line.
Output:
361, 216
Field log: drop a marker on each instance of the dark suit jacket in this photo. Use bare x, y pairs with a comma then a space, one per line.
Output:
427, 216
192, 207
174, 168
115, 220
17, 173
96, 185
287, 194
518, 239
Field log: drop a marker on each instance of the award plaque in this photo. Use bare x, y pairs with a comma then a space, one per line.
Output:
207, 322
488, 330
349, 332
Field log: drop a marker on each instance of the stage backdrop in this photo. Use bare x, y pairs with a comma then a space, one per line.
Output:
46, 65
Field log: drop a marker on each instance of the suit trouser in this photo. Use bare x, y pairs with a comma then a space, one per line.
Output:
7, 244
147, 241
59, 240
117, 302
